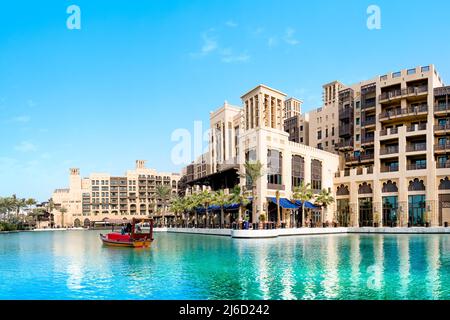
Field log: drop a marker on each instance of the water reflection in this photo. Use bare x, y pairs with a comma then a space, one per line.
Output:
75, 265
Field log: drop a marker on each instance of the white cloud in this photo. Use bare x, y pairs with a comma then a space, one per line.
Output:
231, 24
25, 146
209, 44
229, 57
289, 37
21, 119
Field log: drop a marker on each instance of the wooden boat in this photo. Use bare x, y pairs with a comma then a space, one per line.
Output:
138, 235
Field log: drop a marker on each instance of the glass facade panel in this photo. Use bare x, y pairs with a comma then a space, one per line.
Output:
365, 212
416, 205
390, 207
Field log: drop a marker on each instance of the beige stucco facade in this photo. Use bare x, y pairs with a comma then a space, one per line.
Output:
392, 173
103, 196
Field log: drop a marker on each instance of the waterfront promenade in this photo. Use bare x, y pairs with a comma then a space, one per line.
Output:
284, 232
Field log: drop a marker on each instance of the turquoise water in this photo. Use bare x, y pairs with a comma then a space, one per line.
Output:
75, 265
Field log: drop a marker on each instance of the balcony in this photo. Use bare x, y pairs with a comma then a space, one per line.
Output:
392, 168
401, 93
368, 122
346, 130
417, 166
419, 127
443, 165
388, 131
389, 150
345, 113
361, 158
441, 109
367, 140
400, 113
442, 129
442, 148
345, 145
413, 147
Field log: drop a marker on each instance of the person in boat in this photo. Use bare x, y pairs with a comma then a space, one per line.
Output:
128, 228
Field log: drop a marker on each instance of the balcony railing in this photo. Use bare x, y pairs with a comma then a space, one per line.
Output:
368, 122
345, 144
345, 113
442, 147
366, 140
385, 132
403, 92
442, 107
420, 127
389, 150
367, 105
361, 157
443, 165
403, 112
345, 130
417, 166
389, 168
442, 127
416, 147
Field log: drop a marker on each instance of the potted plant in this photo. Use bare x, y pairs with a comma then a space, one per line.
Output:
376, 217
427, 219
262, 220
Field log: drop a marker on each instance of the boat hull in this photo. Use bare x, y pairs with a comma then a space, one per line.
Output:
128, 244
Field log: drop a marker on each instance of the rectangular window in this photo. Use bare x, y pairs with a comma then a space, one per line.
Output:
425, 69
319, 134
396, 74
411, 71
357, 121
357, 137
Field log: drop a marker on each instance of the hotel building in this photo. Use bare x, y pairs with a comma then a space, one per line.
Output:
395, 147
257, 132
391, 134
102, 197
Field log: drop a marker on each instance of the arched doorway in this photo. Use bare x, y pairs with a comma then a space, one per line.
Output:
87, 223
77, 223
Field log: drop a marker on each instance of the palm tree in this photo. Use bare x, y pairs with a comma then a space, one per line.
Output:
63, 212
177, 205
324, 199
220, 198
253, 171
277, 194
163, 192
30, 202
205, 198
37, 214
50, 208
191, 202
238, 197
303, 193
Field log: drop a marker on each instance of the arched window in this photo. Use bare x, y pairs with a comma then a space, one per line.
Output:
365, 188
298, 170
274, 166
390, 186
342, 190
77, 223
316, 175
416, 185
445, 184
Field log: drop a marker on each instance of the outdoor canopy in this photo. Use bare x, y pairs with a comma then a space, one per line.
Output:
284, 203
308, 204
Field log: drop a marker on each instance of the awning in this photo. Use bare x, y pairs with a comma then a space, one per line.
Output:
308, 204
284, 203
232, 206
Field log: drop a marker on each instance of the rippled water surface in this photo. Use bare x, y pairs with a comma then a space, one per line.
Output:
75, 265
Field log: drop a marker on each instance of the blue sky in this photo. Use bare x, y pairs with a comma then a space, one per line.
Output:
101, 97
